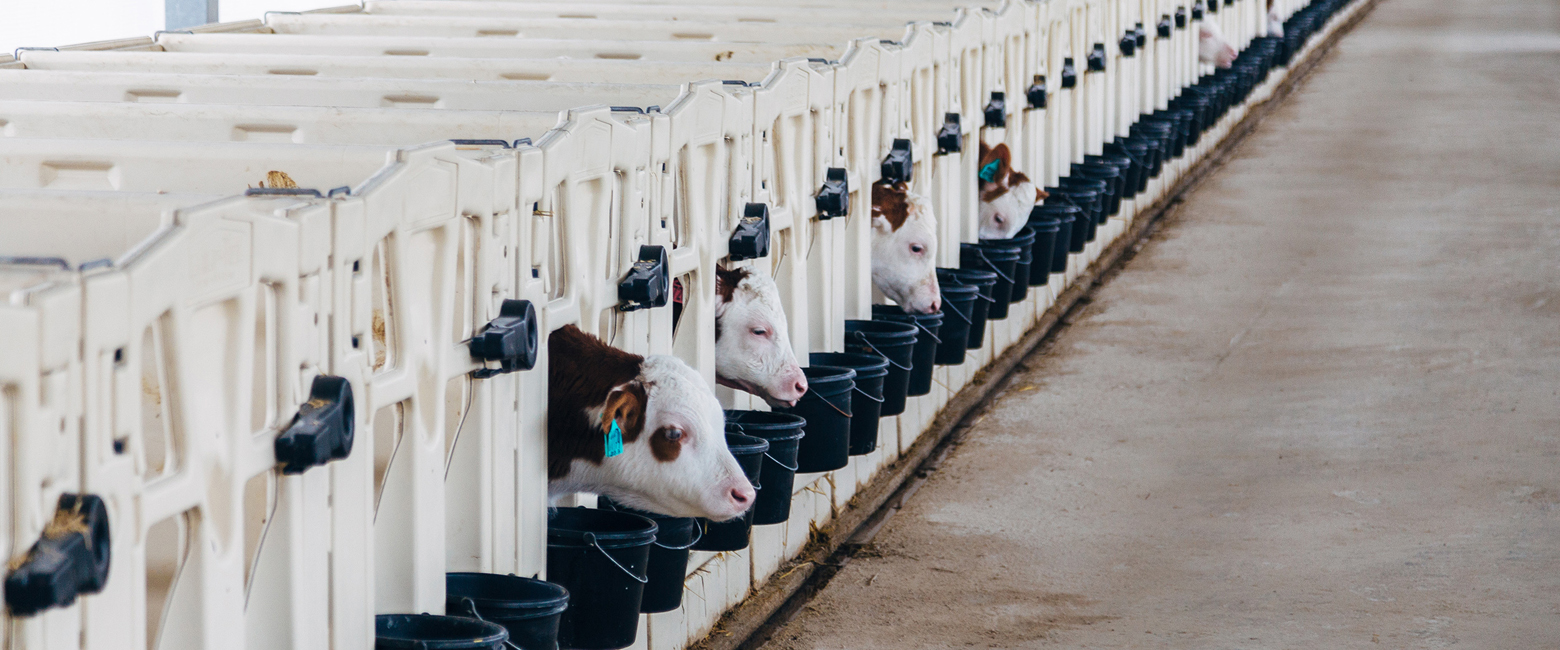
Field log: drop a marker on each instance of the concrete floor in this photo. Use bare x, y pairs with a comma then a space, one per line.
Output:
1321, 409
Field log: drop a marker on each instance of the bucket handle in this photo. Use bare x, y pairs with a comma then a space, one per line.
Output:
861, 336
471, 608
863, 394
696, 538
591, 537
837, 409
960, 314
928, 331
783, 466
992, 266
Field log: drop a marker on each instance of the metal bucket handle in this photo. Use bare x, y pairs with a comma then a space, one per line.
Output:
992, 266
591, 537
471, 607
862, 336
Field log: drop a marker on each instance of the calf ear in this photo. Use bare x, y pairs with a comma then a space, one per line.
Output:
626, 405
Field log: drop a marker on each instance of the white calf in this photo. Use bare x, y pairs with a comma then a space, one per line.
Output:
1006, 195
752, 340
904, 248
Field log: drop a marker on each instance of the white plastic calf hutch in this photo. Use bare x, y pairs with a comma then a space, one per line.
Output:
161, 379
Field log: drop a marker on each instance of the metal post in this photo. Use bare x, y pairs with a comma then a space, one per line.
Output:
184, 14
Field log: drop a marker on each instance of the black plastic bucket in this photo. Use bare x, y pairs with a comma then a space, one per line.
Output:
996, 258
734, 534
1102, 189
892, 341
867, 400
528, 608
1025, 241
1113, 157
1138, 153
958, 308
1065, 215
926, 342
826, 408
1083, 225
429, 632
1110, 175
600, 556
1046, 225
985, 283
668, 568
777, 478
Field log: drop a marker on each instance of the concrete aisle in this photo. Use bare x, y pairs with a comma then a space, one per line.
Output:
1320, 410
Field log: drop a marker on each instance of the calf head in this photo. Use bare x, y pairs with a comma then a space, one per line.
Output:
904, 248
752, 344
674, 458
1006, 195
1211, 46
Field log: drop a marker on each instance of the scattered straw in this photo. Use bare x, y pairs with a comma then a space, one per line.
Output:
278, 180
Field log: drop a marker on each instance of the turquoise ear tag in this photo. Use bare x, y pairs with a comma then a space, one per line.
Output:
614, 440
989, 172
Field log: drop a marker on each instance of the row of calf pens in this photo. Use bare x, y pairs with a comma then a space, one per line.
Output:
250, 408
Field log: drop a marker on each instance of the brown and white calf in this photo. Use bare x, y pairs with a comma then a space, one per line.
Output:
1006, 194
904, 248
674, 458
1212, 48
752, 339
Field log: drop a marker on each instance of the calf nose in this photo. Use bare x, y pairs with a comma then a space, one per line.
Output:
743, 496
936, 304
801, 386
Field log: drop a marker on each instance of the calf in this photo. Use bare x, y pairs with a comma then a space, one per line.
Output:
752, 343
904, 248
1006, 194
1211, 46
672, 458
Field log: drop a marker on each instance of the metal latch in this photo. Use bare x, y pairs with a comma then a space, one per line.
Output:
950, 138
648, 283
1096, 58
996, 110
751, 238
323, 429
70, 559
1037, 92
898, 166
833, 199
511, 340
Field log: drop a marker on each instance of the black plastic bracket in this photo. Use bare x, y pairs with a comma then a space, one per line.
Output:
1036, 93
510, 339
833, 198
1142, 36
1180, 17
323, 429
1165, 26
897, 165
1096, 58
648, 283
483, 143
950, 138
70, 559
996, 110
1213, 6
1128, 44
750, 240
1069, 73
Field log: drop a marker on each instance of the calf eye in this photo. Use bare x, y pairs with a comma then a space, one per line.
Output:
759, 331
917, 249
674, 434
